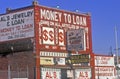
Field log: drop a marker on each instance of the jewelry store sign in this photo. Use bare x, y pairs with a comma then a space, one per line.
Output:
17, 25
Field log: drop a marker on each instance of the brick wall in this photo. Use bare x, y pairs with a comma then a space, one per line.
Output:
3, 68
21, 64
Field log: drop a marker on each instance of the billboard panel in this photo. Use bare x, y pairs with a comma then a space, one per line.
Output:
81, 58
104, 61
17, 25
75, 40
49, 73
46, 61
52, 61
83, 73
61, 21
105, 73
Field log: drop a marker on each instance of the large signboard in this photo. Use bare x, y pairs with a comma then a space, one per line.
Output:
104, 61
49, 73
17, 25
105, 73
83, 73
53, 25
76, 40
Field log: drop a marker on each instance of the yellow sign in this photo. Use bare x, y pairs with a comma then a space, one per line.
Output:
82, 58
46, 61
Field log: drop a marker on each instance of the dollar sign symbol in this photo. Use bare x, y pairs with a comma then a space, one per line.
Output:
61, 38
51, 36
45, 37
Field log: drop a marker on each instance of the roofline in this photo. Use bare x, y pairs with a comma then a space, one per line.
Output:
17, 9
87, 13
36, 4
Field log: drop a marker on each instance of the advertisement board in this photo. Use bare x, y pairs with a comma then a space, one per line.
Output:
48, 35
53, 25
76, 40
105, 73
79, 59
46, 61
52, 61
49, 73
17, 25
83, 73
104, 61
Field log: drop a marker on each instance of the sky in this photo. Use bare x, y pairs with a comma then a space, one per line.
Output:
105, 16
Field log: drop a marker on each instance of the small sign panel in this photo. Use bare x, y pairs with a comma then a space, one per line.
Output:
75, 39
104, 61
79, 59
83, 73
48, 35
49, 73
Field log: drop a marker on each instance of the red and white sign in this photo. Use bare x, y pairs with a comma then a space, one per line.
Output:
83, 73
48, 35
17, 25
49, 73
104, 72
61, 21
61, 37
104, 61
56, 16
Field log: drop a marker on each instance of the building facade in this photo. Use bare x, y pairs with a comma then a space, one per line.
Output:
38, 42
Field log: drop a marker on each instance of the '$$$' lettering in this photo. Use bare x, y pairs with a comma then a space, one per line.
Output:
48, 35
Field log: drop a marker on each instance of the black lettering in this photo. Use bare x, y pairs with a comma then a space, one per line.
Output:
19, 21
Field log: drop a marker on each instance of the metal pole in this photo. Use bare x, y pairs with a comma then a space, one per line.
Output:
117, 50
97, 61
9, 73
116, 40
27, 72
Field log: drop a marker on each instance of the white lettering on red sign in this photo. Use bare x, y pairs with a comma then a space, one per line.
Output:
50, 15
48, 35
54, 15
